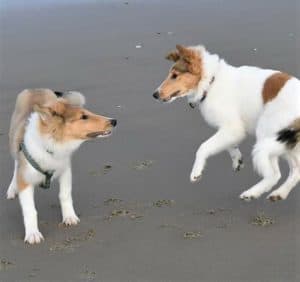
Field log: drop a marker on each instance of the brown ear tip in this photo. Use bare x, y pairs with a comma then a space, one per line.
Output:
168, 57
179, 47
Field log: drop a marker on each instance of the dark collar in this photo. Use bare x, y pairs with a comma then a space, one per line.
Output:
48, 174
204, 95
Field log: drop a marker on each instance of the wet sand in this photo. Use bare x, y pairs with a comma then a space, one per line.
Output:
164, 229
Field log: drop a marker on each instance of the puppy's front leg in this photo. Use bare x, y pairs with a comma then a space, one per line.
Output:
69, 216
32, 233
222, 140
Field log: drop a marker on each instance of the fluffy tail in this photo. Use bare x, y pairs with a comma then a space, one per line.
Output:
73, 97
290, 135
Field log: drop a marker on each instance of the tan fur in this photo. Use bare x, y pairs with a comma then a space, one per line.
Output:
23, 108
188, 70
192, 59
21, 183
59, 120
173, 56
273, 85
64, 122
296, 124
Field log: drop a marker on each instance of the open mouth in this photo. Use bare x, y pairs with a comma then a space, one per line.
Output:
99, 134
172, 97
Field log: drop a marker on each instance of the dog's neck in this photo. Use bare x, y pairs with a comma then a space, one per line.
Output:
44, 147
211, 65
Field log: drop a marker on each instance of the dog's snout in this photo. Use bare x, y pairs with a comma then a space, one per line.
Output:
113, 122
156, 95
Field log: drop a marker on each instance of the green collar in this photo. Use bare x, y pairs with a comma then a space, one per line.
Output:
48, 174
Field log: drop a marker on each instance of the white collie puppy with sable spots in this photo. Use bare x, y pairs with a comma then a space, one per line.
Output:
46, 128
237, 101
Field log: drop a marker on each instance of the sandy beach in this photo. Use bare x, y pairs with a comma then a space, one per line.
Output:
141, 218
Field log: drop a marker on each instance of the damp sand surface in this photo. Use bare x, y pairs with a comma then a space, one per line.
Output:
141, 219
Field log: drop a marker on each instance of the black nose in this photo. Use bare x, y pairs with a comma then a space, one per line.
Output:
113, 122
156, 95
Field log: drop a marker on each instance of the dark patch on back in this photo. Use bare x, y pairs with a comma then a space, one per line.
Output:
288, 136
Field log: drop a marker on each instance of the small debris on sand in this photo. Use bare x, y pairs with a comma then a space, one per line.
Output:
119, 212
138, 46
211, 211
122, 213
262, 220
191, 235
164, 203
106, 169
142, 165
88, 275
4, 264
113, 201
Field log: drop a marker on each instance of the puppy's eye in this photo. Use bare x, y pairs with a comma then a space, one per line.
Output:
84, 116
174, 76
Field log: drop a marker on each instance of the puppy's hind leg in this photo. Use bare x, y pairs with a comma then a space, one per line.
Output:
283, 191
12, 190
265, 160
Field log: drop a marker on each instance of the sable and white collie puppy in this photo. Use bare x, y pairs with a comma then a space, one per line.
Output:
46, 128
237, 101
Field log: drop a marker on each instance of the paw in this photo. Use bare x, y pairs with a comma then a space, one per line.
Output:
276, 196
34, 237
237, 164
249, 195
10, 195
195, 176
71, 220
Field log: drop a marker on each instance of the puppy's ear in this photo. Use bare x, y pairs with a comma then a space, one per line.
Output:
173, 56
181, 49
48, 111
45, 113
192, 58
74, 98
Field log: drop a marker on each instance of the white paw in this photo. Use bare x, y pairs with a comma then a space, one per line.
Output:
250, 195
276, 196
195, 176
237, 164
71, 220
10, 195
34, 237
